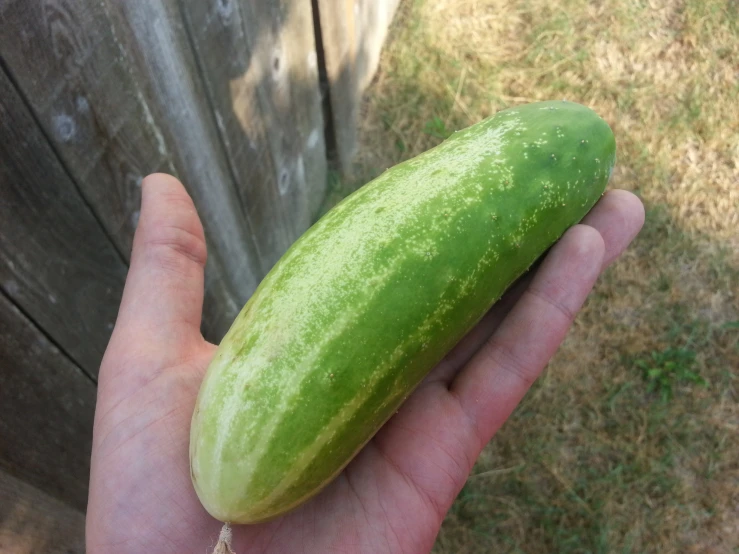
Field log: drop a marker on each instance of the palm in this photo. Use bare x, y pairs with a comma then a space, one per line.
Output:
394, 494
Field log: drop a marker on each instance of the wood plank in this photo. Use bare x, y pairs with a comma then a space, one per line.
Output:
258, 91
352, 35
85, 93
372, 22
292, 101
82, 92
154, 37
32, 522
56, 262
218, 35
338, 43
46, 411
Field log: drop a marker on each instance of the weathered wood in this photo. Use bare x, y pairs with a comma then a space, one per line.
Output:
372, 21
56, 262
64, 57
282, 40
153, 35
84, 92
267, 107
46, 411
218, 36
338, 44
32, 522
352, 33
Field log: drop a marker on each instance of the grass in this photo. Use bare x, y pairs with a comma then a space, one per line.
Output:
628, 443
663, 371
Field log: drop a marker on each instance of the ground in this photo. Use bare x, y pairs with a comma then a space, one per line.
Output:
629, 442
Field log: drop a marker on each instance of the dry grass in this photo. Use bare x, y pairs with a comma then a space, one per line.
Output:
592, 461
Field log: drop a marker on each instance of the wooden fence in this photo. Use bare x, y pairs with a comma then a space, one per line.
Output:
248, 102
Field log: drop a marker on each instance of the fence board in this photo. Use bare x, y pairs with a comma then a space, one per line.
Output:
338, 42
46, 411
219, 39
352, 34
274, 143
32, 522
55, 260
286, 50
372, 21
84, 92
80, 87
154, 36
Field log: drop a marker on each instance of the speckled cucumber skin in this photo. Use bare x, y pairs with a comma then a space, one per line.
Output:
369, 299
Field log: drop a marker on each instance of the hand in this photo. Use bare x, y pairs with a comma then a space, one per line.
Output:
395, 493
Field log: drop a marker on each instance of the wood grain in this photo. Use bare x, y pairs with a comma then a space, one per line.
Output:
339, 42
46, 411
291, 98
372, 22
217, 32
92, 106
153, 35
273, 181
352, 34
56, 262
65, 58
32, 522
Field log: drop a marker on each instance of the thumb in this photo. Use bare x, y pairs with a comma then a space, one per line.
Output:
162, 301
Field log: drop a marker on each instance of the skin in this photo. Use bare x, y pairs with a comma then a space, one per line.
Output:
395, 493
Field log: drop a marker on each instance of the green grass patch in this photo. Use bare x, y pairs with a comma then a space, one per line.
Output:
666, 370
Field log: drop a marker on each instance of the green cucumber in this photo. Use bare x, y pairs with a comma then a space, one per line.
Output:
369, 299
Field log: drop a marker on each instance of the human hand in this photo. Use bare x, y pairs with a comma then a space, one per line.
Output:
393, 496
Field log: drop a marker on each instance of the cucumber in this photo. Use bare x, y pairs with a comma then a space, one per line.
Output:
369, 299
